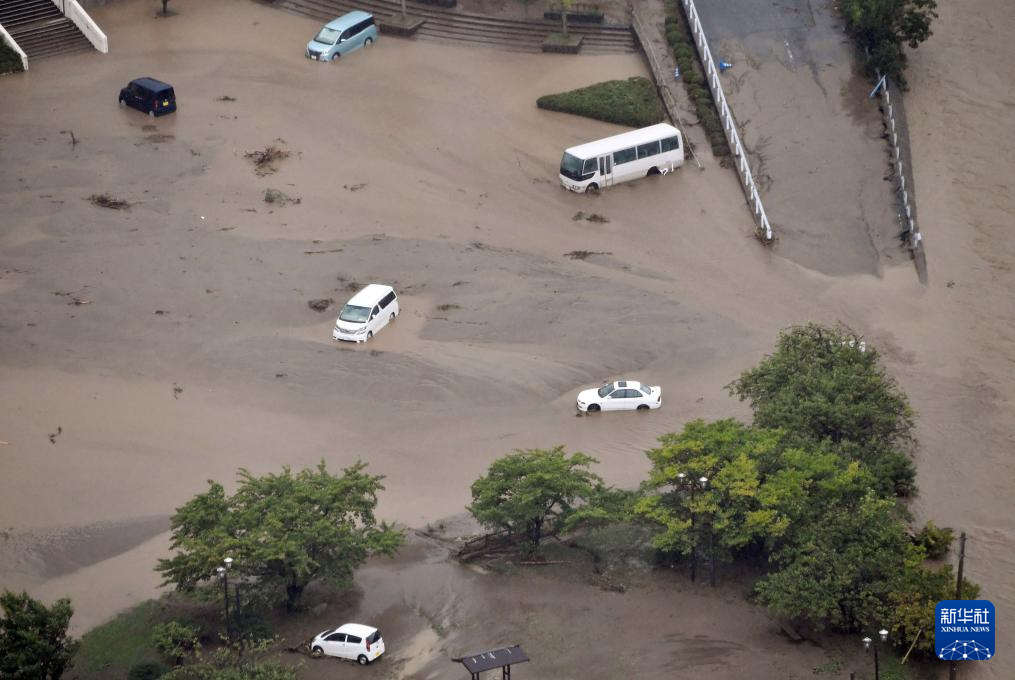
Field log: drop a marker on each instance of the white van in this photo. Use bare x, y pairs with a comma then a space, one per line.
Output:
352, 641
367, 312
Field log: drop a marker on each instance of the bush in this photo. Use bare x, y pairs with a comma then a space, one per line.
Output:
682, 46
175, 640
255, 628
934, 541
146, 670
633, 102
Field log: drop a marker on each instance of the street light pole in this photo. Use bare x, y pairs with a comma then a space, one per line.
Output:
690, 486
883, 635
711, 540
223, 573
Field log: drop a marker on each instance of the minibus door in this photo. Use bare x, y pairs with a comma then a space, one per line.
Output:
606, 170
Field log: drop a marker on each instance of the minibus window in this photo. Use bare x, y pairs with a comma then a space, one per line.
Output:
671, 143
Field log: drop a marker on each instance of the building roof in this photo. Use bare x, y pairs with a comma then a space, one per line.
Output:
623, 141
495, 658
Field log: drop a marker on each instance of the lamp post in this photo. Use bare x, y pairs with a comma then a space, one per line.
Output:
883, 635
223, 573
685, 484
703, 481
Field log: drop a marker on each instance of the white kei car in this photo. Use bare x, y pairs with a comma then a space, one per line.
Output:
352, 641
622, 395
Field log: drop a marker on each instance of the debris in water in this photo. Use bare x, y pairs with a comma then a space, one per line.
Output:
107, 201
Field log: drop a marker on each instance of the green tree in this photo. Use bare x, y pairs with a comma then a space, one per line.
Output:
34, 644
723, 515
882, 27
282, 531
909, 612
841, 566
800, 485
535, 491
824, 385
175, 640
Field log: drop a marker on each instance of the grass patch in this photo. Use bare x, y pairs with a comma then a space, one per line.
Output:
693, 76
633, 102
110, 650
10, 61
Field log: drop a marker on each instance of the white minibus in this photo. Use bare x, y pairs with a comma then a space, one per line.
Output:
657, 149
367, 312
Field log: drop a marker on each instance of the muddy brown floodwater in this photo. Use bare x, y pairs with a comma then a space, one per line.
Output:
427, 166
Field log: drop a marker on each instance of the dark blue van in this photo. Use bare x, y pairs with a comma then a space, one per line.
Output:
154, 97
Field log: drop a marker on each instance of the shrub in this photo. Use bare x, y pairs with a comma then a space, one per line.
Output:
934, 541
146, 670
174, 640
634, 102
255, 628
680, 41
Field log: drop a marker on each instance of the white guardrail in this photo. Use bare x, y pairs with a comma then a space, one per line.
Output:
14, 46
912, 231
729, 124
73, 11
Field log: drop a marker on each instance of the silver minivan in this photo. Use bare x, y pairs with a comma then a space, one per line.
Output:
367, 312
343, 35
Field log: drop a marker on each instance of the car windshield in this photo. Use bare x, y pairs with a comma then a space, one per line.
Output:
605, 389
328, 36
354, 314
571, 167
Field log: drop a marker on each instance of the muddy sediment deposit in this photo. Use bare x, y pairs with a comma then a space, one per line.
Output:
428, 167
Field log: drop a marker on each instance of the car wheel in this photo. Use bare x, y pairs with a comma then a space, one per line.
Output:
392, 319
152, 113
123, 103
363, 660
334, 58
370, 334
592, 188
642, 407
368, 42
593, 408
317, 652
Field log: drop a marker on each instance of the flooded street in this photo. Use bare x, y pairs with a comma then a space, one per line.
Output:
145, 351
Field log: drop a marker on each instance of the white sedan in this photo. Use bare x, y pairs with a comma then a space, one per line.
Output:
622, 395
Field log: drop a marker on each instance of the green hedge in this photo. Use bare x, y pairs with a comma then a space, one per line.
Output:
10, 61
633, 102
693, 77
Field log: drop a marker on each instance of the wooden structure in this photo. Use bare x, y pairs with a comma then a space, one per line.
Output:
502, 658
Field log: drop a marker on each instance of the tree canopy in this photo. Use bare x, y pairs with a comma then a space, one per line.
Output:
536, 490
825, 386
726, 510
34, 644
882, 27
282, 531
